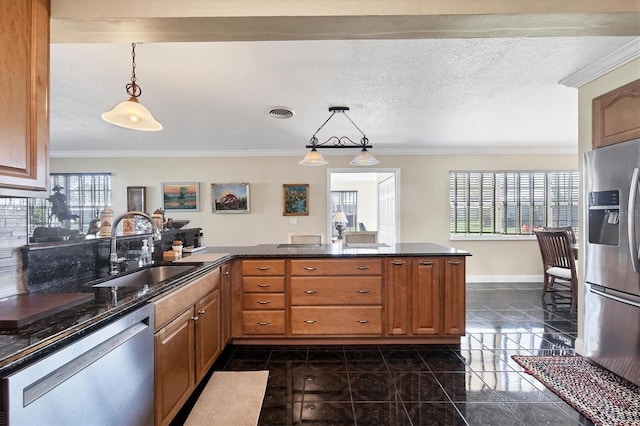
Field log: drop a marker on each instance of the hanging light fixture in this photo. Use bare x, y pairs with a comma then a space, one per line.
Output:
131, 114
314, 158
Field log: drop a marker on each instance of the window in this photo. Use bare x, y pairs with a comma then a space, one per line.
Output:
347, 201
85, 195
512, 203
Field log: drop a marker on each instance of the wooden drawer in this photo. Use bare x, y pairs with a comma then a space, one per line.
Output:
171, 305
309, 267
262, 301
263, 267
263, 322
347, 320
263, 284
336, 290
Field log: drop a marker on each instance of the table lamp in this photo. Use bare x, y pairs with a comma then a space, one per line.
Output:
340, 219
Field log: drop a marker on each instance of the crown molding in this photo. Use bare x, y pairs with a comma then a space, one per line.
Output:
558, 150
615, 59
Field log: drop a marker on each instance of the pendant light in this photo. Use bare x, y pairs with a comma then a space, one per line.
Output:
314, 158
132, 114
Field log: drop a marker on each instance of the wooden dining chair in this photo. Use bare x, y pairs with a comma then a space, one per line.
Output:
562, 228
558, 263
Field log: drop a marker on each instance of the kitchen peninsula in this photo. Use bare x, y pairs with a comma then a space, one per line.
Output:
264, 294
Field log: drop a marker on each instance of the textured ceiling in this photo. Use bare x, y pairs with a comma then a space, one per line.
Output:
431, 95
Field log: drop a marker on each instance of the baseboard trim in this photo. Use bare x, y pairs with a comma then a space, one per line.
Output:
505, 279
579, 344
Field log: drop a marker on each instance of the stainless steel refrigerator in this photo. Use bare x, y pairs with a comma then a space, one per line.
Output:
612, 266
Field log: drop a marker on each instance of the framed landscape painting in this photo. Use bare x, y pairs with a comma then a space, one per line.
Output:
230, 197
180, 196
295, 199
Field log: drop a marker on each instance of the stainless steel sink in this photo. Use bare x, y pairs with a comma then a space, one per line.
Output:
149, 276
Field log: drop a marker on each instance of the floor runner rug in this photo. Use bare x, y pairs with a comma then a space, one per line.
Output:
598, 394
230, 398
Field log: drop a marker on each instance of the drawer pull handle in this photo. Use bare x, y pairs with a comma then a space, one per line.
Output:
362, 321
362, 268
310, 321
264, 323
363, 291
311, 291
263, 268
397, 263
226, 273
454, 262
427, 263
201, 312
194, 318
310, 268
263, 285
263, 302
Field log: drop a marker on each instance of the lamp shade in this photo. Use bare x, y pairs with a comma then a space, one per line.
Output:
364, 158
313, 158
339, 217
132, 115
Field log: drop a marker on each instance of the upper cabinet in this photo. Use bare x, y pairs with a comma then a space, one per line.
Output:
616, 115
24, 99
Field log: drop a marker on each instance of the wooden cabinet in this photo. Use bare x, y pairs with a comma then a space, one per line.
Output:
425, 296
263, 297
336, 297
187, 342
24, 104
616, 115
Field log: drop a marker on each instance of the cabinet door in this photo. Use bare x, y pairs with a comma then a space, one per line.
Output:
426, 296
454, 296
616, 115
207, 333
174, 366
398, 291
24, 83
225, 303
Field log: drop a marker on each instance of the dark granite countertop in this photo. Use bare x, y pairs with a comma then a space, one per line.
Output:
29, 343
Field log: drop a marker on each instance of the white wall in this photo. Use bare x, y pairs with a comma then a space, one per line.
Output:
424, 192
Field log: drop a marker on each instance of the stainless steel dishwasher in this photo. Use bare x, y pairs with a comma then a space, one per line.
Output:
105, 378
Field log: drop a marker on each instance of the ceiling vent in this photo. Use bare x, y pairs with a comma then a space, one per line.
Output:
280, 112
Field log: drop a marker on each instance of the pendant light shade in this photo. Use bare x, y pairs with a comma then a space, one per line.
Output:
313, 158
132, 114
364, 158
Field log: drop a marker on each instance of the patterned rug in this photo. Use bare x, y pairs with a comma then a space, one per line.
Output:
598, 394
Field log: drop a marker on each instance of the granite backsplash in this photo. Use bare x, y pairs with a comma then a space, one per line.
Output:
59, 266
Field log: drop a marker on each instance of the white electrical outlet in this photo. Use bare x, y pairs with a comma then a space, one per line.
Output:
293, 221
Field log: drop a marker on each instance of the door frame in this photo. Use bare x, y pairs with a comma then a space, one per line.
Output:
395, 171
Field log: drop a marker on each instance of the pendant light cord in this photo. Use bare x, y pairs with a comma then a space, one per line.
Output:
133, 89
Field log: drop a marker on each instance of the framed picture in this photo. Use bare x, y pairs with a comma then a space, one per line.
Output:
180, 196
295, 199
136, 198
230, 197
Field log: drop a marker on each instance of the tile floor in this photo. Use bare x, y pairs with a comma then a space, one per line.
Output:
474, 383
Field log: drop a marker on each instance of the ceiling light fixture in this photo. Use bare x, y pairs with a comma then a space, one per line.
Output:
131, 114
314, 158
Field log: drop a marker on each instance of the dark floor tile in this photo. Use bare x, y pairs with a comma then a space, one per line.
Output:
419, 387
277, 415
245, 365
326, 386
487, 413
465, 386
573, 414
381, 413
326, 355
372, 386
434, 413
289, 353
536, 414
325, 413
407, 360
443, 360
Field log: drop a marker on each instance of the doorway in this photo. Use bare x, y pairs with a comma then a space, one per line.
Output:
370, 200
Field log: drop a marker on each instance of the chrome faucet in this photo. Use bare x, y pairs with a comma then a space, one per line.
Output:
113, 253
